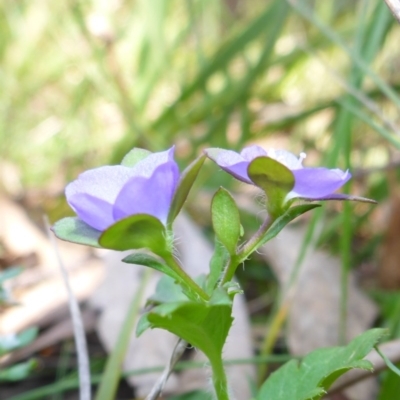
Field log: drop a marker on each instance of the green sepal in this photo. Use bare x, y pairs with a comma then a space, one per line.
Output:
137, 231
150, 261
225, 219
188, 176
274, 179
72, 229
134, 156
204, 326
312, 377
284, 219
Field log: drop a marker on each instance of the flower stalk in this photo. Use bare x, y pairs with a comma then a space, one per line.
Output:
245, 250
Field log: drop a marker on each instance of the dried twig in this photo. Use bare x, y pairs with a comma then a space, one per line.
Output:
176, 355
79, 330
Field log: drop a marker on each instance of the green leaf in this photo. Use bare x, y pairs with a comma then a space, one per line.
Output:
150, 261
10, 273
143, 324
390, 386
218, 261
72, 229
225, 219
134, 156
167, 291
275, 179
196, 395
312, 377
18, 371
138, 231
15, 341
204, 326
186, 181
284, 219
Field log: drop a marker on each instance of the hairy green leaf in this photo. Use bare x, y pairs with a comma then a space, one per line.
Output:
150, 261
204, 326
312, 377
136, 232
72, 229
225, 219
186, 181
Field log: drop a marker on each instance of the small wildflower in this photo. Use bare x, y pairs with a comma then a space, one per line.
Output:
102, 196
309, 183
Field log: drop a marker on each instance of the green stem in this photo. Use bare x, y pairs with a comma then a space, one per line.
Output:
252, 244
174, 265
219, 379
245, 250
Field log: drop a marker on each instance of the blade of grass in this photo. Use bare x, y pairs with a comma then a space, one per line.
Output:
361, 115
218, 62
306, 12
343, 131
341, 146
71, 383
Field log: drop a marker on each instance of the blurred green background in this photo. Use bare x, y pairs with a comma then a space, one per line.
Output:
82, 82
85, 81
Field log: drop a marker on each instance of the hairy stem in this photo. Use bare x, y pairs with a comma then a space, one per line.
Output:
245, 250
174, 265
219, 379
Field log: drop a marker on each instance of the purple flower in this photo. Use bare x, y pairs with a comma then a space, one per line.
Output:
310, 183
104, 195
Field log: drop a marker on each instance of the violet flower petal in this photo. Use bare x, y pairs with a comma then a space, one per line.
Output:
239, 171
148, 165
231, 162
92, 195
316, 183
148, 195
251, 152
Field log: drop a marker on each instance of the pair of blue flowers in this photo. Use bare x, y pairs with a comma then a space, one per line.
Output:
102, 196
